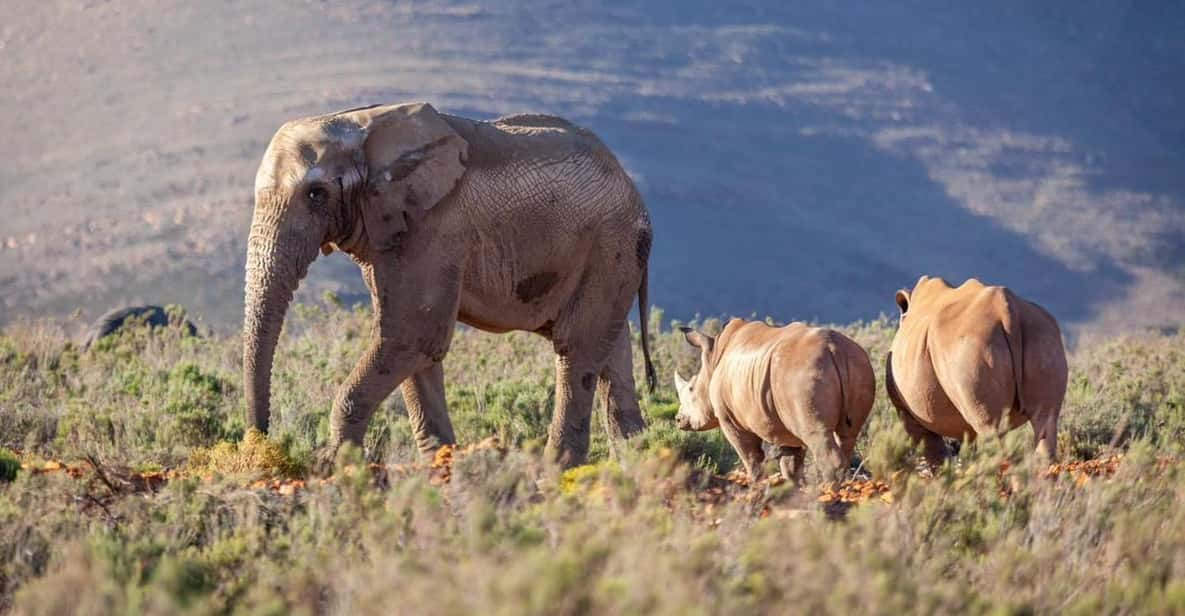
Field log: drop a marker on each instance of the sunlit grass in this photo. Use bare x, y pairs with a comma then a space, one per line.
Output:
644, 528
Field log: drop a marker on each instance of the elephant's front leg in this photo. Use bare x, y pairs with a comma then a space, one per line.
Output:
623, 417
385, 364
415, 309
427, 410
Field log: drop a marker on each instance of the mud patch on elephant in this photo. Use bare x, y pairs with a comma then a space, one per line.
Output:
546, 329
534, 287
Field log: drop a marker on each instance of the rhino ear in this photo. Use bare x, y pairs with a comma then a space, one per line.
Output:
903, 300
697, 339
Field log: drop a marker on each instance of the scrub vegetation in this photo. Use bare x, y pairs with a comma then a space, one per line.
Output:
129, 484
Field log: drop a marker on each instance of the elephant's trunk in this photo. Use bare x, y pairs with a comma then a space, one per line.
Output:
276, 263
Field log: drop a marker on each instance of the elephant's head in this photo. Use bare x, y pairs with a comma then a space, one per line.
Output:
695, 405
352, 180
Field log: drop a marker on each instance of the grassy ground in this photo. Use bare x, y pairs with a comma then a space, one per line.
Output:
649, 527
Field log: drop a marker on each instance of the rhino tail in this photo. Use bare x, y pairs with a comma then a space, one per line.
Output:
1014, 338
841, 371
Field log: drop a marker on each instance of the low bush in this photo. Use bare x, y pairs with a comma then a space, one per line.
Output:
644, 528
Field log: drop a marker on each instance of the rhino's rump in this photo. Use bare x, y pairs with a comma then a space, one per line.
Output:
782, 383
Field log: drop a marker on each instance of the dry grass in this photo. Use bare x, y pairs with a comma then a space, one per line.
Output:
488, 527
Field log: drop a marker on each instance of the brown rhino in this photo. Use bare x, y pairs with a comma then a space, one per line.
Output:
795, 386
972, 360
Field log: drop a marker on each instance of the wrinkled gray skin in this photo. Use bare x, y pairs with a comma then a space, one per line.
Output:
115, 320
524, 223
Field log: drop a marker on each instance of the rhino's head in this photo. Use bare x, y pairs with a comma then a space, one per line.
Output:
695, 406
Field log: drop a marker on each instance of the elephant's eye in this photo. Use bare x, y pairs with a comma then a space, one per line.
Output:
318, 195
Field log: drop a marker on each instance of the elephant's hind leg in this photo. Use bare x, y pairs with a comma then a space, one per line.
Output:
623, 417
427, 410
580, 359
575, 382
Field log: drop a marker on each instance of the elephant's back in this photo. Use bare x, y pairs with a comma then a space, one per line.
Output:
542, 170
543, 209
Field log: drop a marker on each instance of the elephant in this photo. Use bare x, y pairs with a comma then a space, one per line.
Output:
119, 318
527, 223
973, 360
795, 386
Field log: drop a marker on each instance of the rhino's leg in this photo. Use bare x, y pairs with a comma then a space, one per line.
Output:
1045, 431
933, 447
828, 459
748, 448
790, 460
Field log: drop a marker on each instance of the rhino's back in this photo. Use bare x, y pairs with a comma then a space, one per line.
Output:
767, 374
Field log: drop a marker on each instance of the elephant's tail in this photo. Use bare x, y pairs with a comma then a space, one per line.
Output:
644, 325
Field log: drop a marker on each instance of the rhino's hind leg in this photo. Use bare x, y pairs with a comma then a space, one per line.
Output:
828, 460
933, 446
1045, 433
791, 461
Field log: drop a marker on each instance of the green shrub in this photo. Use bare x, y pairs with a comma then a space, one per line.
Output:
707, 450
889, 452
646, 531
10, 465
1124, 390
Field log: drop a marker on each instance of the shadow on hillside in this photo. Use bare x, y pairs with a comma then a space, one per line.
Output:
801, 160
766, 220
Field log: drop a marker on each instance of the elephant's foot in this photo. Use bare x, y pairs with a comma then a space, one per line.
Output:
324, 461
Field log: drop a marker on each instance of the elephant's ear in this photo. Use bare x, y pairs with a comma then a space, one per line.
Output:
903, 300
413, 160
